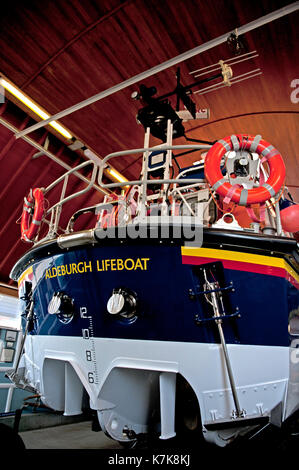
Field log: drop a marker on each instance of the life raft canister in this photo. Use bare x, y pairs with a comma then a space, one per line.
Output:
30, 223
242, 196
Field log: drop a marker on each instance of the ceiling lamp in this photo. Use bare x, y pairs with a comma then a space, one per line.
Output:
34, 107
116, 175
7, 85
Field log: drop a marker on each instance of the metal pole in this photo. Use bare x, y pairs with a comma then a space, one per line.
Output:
278, 219
214, 301
29, 318
165, 65
144, 172
239, 411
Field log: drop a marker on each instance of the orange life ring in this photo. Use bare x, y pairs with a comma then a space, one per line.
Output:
30, 223
242, 196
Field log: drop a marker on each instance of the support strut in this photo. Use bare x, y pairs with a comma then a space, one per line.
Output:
212, 290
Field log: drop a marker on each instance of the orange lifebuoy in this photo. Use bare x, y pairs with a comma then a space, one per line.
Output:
242, 196
30, 223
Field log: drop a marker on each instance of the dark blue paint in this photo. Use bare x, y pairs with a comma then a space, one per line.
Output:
166, 312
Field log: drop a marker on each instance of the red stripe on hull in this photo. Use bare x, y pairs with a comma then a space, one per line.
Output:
243, 266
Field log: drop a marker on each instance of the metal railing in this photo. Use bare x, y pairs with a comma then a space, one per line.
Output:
144, 181
55, 210
181, 184
53, 213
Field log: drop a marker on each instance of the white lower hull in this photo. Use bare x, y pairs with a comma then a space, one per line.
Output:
123, 379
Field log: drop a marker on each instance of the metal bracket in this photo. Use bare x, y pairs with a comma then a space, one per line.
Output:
193, 295
201, 321
46, 146
238, 414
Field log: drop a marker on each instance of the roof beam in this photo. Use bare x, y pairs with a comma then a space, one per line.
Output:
51, 155
10, 143
164, 65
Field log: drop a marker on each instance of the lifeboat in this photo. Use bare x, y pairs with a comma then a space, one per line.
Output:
169, 297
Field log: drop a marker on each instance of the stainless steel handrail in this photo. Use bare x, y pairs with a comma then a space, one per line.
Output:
66, 175
142, 150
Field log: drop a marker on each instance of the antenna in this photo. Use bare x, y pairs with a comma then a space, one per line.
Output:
238, 78
157, 110
231, 61
226, 71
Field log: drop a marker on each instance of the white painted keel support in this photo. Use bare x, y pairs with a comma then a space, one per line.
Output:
73, 392
167, 381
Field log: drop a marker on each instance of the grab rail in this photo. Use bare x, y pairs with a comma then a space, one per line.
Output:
55, 209
97, 173
146, 150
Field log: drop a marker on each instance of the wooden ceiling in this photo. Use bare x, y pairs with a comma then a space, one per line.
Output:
64, 51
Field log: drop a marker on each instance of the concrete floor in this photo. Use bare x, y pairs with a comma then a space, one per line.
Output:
77, 441
43, 431
69, 436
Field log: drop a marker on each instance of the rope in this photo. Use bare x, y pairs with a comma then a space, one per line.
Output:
219, 208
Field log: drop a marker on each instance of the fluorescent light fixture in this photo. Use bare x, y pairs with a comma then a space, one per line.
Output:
115, 174
36, 109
